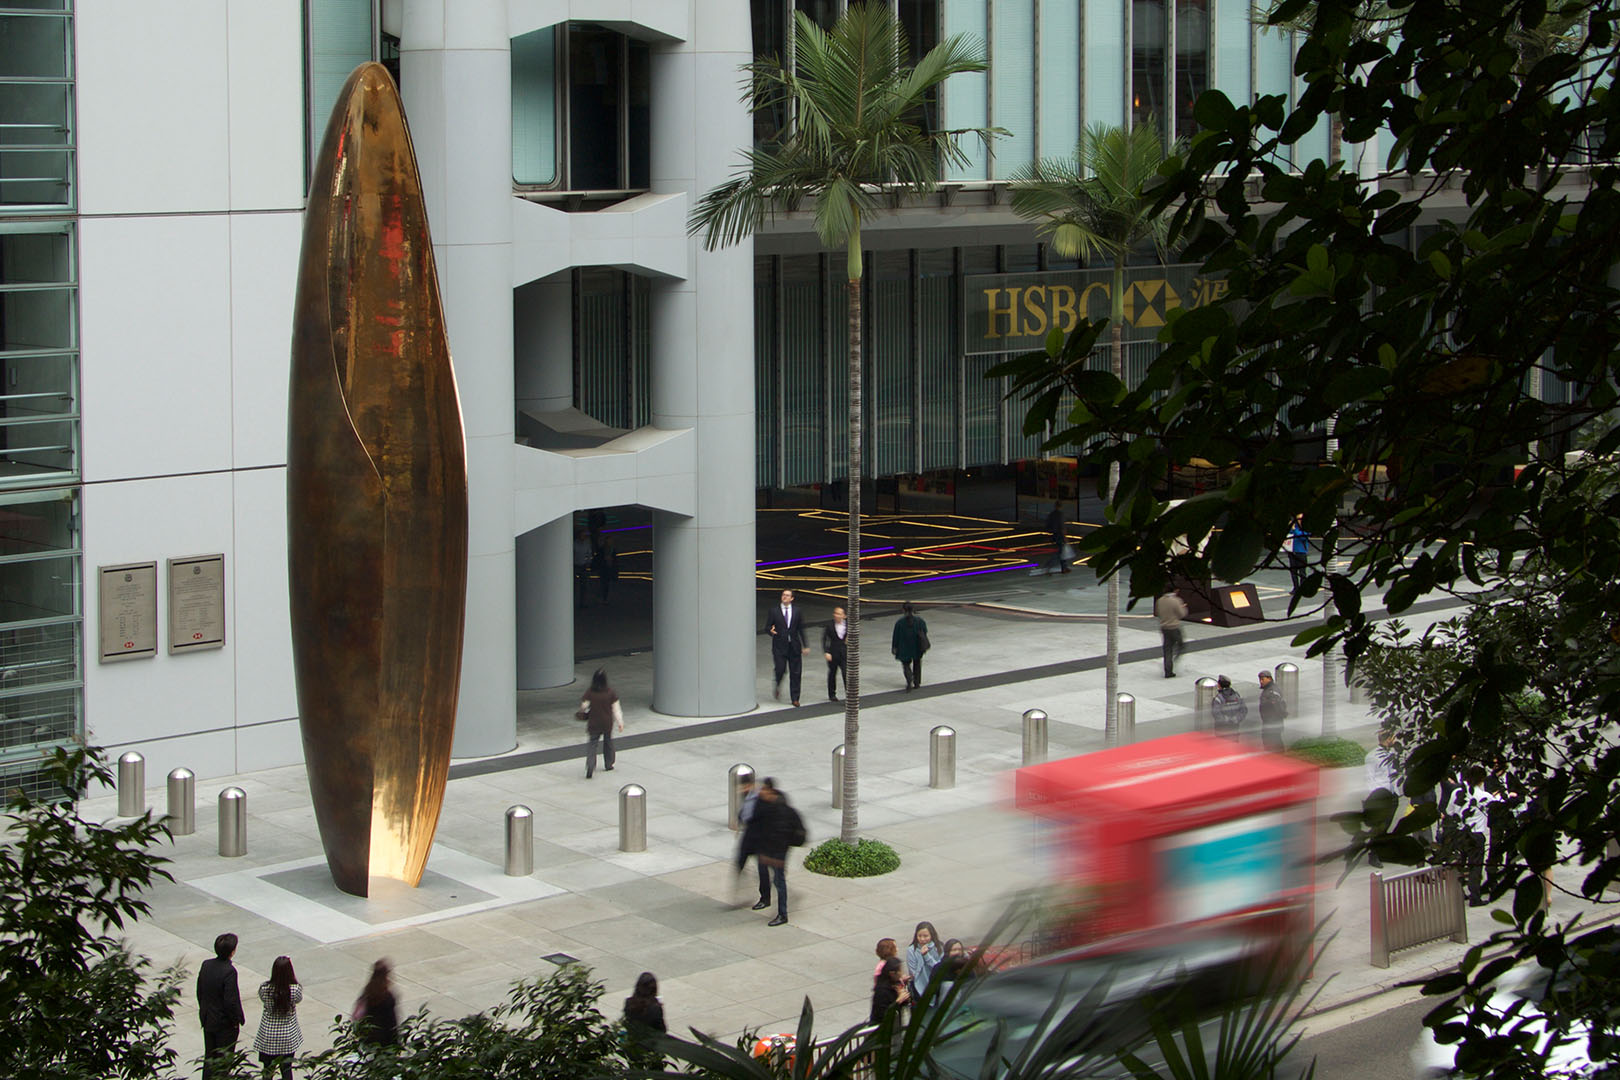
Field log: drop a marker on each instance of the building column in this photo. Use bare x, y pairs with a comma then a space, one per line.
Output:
544, 377
703, 378
455, 75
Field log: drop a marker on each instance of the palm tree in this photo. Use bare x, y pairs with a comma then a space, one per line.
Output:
854, 139
1095, 203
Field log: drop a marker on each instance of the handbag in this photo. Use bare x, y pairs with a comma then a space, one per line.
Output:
582, 715
923, 644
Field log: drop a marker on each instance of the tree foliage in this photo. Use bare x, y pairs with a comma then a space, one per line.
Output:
76, 1002
1405, 361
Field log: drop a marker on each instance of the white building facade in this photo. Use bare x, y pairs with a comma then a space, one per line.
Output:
153, 165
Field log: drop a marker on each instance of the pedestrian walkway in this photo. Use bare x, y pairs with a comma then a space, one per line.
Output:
461, 940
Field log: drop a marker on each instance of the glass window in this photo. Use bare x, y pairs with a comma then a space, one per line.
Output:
889, 333
821, 12
1012, 70
595, 87
40, 667
919, 20
1192, 62
1274, 67
36, 117
1060, 80
340, 36
966, 104
938, 325
1232, 28
38, 353
1148, 33
1104, 42
534, 107
770, 43
809, 379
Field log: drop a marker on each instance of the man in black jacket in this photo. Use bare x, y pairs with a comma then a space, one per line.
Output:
219, 1004
785, 624
1273, 711
775, 827
836, 650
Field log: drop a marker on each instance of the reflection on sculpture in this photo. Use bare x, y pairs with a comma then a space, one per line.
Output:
376, 498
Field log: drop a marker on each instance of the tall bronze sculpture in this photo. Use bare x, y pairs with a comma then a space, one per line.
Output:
376, 498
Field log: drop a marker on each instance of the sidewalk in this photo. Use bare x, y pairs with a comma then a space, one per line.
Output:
461, 940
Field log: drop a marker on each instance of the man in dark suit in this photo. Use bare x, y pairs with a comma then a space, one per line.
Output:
836, 650
219, 1003
785, 624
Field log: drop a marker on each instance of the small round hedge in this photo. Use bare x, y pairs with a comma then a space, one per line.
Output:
1330, 753
868, 858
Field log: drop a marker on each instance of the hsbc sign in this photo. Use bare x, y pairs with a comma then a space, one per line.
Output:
1014, 312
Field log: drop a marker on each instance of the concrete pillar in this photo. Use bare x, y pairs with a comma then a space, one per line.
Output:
456, 81
545, 606
543, 324
703, 378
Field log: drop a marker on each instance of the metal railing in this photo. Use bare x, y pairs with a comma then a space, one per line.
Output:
1415, 908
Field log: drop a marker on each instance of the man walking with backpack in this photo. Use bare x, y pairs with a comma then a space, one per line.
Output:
776, 826
1273, 711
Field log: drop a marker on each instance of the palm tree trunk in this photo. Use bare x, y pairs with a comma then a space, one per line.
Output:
1116, 333
852, 637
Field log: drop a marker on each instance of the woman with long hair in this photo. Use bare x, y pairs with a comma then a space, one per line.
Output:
279, 1037
601, 708
376, 1012
922, 957
644, 1023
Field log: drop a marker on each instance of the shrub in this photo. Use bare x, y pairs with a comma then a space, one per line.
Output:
868, 858
1330, 753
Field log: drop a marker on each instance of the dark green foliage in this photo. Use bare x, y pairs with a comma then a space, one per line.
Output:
1426, 351
547, 1029
75, 1002
867, 858
1329, 753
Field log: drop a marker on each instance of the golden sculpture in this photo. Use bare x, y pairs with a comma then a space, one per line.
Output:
376, 498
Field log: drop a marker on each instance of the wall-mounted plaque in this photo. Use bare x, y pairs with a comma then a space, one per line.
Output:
128, 611
196, 603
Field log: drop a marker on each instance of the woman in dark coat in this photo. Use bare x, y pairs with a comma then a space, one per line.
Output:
888, 990
376, 1012
910, 633
602, 713
644, 1021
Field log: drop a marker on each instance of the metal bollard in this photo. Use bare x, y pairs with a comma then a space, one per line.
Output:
942, 757
736, 776
131, 785
1125, 705
838, 777
1034, 736
519, 841
632, 818
182, 815
1203, 703
1288, 684
232, 822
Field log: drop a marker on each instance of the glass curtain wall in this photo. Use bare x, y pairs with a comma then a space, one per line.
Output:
891, 386
581, 109
41, 594
340, 35
612, 356
1169, 63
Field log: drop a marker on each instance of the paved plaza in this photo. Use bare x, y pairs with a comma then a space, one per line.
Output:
460, 941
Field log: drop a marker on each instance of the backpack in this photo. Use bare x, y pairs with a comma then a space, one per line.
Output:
797, 836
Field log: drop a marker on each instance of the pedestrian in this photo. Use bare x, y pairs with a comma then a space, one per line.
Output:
834, 648
602, 714
595, 522
279, 1038
582, 567
909, 642
888, 990
922, 957
219, 1006
1273, 711
1170, 609
1060, 538
785, 624
1468, 810
886, 947
748, 835
779, 827
1227, 710
1381, 777
376, 1011
1299, 546
957, 966
605, 564
644, 1022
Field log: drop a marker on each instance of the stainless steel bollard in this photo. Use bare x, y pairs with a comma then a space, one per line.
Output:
1125, 706
1034, 736
838, 777
519, 841
1288, 683
632, 818
1203, 703
736, 776
232, 822
182, 815
131, 785
942, 757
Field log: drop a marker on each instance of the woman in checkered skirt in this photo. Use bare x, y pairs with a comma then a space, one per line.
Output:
279, 1037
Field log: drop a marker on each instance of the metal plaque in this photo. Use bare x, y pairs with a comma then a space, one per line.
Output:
127, 609
196, 603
